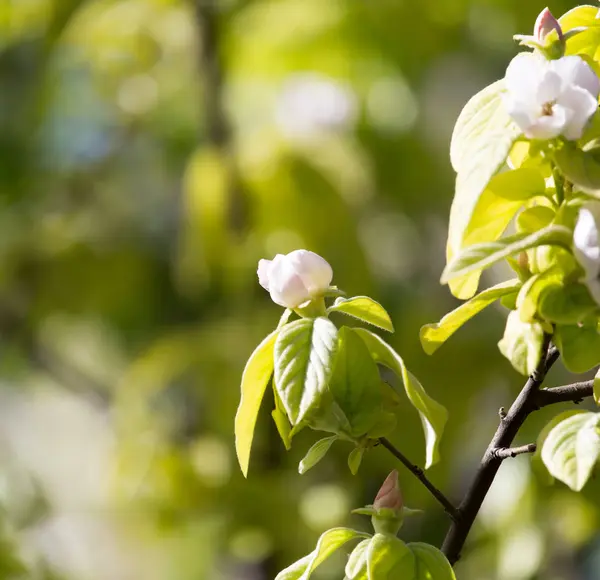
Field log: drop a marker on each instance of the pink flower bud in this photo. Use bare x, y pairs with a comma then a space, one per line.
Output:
544, 24
389, 496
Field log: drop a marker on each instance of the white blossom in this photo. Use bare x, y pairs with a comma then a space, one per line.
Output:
295, 278
548, 98
587, 246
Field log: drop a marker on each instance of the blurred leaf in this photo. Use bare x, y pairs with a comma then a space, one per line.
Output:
389, 557
522, 343
433, 415
365, 309
582, 168
535, 218
529, 295
566, 303
304, 356
316, 453
579, 346
481, 256
281, 421
328, 543
572, 447
255, 379
430, 563
434, 335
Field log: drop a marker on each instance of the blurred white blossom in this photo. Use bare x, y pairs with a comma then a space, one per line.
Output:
311, 104
547, 98
295, 278
587, 247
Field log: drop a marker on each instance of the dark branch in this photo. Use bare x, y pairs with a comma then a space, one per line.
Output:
575, 393
514, 451
492, 459
420, 475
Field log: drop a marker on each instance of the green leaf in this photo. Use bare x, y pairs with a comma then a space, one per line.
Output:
481, 140
522, 344
355, 459
536, 459
434, 335
304, 354
386, 422
388, 558
281, 421
481, 256
433, 415
588, 41
285, 317
566, 303
355, 383
535, 218
529, 296
316, 453
356, 567
255, 378
582, 168
579, 346
365, 309
328, 543
431, 564
571, 449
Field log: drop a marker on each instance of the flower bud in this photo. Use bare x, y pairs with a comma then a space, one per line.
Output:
295, 278
586, 246
389, 496
545, 24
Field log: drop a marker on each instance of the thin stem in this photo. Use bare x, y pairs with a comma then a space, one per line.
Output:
507, 452
559, 183
420, 475
490, 463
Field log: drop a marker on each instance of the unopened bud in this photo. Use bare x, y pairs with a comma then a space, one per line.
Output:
389, 496
545, 24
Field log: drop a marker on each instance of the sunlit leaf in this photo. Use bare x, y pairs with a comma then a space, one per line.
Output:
522, 343
430, 563
588, 41
388, 557
434, 335
356, 567
582, 168
433, 415
481, 256
304, 355
255, 379
328, 543
571, 449
281, 421
366, 309
566, 303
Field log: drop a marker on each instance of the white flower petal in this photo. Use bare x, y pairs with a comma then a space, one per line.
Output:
582, 106
524, 74
263, 273
575, 71
585, 239
523, 114
549, 88
316, 273
548, 126
285, 285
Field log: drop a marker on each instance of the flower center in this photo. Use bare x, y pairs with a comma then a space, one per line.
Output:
547, 109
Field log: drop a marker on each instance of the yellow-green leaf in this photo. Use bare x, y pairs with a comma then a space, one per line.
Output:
434, 335
366, 309
255, 379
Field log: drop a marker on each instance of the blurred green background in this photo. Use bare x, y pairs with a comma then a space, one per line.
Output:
151, 151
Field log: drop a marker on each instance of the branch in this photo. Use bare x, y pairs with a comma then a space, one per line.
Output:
420, 475
524, 404
575, 393
507, 452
